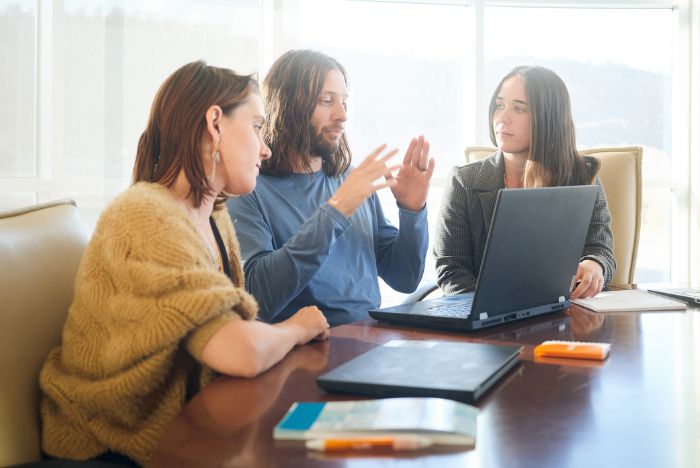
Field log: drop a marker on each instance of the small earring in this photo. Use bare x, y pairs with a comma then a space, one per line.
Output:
215, 155
217, 159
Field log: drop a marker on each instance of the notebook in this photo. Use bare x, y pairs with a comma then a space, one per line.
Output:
532, 253
406, 368
441, 421
689, 295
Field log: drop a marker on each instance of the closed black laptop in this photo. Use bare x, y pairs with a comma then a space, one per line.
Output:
532, 253
445, 369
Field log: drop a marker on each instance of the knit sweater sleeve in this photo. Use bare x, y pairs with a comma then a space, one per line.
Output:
158, 284
146, 289
145, 284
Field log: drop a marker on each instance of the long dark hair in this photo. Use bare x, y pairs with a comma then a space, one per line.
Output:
172, 140
291, 89
553, 159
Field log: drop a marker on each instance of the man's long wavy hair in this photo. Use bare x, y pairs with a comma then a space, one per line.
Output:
176, 126
553, 160
291, 90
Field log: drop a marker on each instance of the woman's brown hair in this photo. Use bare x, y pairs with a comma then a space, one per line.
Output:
291, 89
553, 159
176, 126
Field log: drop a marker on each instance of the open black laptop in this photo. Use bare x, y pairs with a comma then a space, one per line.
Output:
530, 261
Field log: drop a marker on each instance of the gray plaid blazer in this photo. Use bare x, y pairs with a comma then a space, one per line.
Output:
465, 216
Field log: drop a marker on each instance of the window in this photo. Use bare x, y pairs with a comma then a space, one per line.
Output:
409, 71
81, 75
18, 97
100, 66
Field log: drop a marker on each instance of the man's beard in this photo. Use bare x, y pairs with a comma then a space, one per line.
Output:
320, 147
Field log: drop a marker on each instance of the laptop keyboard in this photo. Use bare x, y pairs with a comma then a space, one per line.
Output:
461, 309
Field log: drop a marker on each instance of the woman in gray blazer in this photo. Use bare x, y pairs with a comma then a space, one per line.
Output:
532, 126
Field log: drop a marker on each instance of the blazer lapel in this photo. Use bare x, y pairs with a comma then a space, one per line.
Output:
489, 182
488, 202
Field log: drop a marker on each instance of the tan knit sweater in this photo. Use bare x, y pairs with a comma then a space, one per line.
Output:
148, 297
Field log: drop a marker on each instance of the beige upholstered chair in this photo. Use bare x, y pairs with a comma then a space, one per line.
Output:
477, 153
40, 249
621, 175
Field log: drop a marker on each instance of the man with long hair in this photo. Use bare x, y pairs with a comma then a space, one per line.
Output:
313, 231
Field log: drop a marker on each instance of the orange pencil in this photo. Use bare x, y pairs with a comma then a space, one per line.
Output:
395, 443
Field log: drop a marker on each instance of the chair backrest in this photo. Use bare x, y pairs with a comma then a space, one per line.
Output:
621, 175
40, 249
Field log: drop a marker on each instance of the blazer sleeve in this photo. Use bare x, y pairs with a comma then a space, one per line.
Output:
453, 249
599, 240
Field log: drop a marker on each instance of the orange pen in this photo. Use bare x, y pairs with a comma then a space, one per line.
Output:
395, 443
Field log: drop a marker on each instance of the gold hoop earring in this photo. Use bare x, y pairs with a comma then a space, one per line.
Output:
216, 158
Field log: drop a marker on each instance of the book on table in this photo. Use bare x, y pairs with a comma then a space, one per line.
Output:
441, 421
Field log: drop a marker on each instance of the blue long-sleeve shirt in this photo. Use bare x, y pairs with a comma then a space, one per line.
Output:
299, 251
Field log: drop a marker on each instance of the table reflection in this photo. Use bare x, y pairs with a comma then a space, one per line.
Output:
221, 424
637, 408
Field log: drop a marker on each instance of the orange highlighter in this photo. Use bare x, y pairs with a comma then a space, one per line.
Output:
573, 349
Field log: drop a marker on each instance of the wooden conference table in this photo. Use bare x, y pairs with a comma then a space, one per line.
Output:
641, 407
